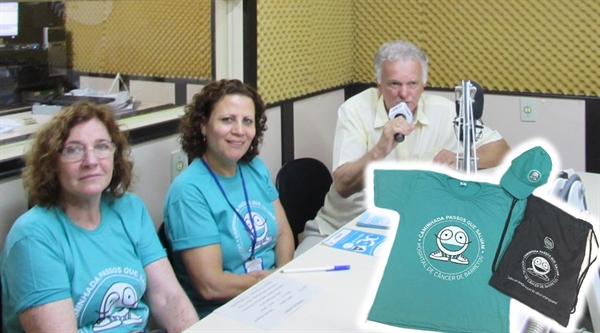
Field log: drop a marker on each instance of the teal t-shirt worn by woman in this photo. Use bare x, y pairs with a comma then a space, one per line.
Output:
199, 211
49, 258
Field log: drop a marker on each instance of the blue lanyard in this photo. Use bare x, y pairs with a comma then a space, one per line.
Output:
251, 232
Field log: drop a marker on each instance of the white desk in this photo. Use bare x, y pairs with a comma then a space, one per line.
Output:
346, 297
342, 305
16, 149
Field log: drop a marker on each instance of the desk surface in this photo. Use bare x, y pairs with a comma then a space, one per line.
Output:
346, 297
16, 149
342, 305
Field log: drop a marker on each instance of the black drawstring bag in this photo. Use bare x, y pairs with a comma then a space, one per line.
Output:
542, 265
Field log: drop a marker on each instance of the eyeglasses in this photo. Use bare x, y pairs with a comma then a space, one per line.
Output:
76, 152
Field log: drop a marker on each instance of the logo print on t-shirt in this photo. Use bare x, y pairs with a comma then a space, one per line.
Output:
116, 306
261, 227
450, 247
540, 269
452, 242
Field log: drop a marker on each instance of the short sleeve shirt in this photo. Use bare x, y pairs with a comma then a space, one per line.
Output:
199, 212
359, 128
48, 258
437, 274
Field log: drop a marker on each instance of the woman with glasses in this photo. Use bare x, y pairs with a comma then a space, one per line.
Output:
86, 256
223, 217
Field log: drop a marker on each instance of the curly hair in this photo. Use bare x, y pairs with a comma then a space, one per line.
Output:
199, 110
40, 175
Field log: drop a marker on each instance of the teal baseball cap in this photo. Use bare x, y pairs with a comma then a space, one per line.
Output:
527, 172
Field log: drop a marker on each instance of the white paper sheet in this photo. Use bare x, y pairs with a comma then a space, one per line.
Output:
5, 129
270, 302
7, 122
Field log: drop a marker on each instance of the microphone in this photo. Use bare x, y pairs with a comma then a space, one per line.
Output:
400, 110
477, 102
477, 108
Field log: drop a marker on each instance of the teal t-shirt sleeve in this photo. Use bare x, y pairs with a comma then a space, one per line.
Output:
392, 188
187, 211
149, 247
35, 273
140, 228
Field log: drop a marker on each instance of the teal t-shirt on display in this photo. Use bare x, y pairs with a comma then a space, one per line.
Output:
197, 214
48, 258
437, 274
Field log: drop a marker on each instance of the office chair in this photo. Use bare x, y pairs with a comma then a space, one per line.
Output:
162, 236
302, 185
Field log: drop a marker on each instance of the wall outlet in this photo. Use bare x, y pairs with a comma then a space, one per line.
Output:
179, 161
528, 109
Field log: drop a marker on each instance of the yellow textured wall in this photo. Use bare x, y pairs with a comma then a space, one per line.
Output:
541, 46
303, 46
161, 38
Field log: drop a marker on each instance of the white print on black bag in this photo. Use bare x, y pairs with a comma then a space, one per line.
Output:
539, 267
543, 266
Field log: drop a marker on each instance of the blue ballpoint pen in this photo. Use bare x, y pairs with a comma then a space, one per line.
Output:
317, 269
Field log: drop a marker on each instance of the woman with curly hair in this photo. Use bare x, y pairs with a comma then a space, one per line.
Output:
86, 256
222, 214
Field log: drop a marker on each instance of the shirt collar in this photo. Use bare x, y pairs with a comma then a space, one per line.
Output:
381, 116
421, 117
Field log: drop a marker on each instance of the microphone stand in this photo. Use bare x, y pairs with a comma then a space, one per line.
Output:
465, 95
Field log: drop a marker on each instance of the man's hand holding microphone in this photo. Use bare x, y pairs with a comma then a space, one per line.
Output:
401, 110
394, 131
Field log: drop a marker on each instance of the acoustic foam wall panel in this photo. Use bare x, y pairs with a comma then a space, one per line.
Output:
170, 39
303, 46
538, 46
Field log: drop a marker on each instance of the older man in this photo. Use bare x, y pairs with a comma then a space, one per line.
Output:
364, 134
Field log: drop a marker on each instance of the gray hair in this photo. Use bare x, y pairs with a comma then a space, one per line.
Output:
400, 50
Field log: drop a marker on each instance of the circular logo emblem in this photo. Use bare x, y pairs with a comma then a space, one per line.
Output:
450, 248
540, 269
534, 176
548, 243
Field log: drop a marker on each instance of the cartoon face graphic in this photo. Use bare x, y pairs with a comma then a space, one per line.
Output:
540, 267
116, 307
261, 228
452, 242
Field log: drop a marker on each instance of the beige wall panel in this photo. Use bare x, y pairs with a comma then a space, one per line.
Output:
96, 83
314, 126
148, 91
561, 122
191, 90
270, 151
152, 172
12, 204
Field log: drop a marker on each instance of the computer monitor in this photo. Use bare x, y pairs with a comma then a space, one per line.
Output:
9, 19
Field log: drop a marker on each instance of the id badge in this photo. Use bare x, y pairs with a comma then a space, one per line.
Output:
254, 265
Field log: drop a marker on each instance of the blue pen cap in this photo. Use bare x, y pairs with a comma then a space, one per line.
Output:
341, 267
